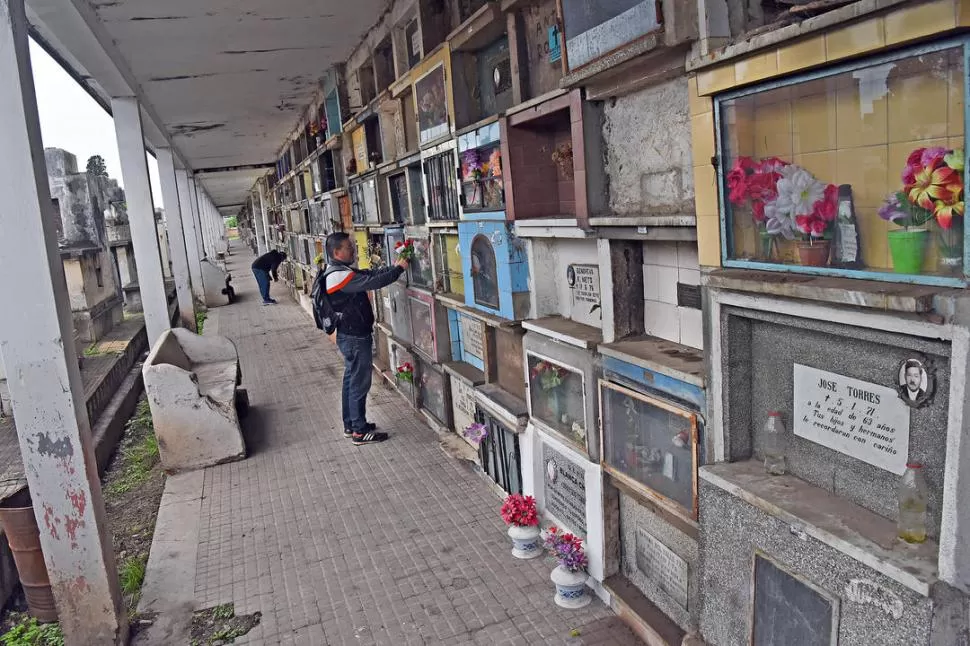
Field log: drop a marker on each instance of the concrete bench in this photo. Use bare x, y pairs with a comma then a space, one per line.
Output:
192, 384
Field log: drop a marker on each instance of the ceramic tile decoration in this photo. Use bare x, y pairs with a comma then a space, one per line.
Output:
496, 268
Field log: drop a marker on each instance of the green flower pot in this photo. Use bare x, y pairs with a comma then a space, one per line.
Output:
907, 248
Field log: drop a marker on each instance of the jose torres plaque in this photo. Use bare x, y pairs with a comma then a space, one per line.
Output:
858, 418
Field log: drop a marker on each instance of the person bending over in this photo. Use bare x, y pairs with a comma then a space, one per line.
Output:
264, 267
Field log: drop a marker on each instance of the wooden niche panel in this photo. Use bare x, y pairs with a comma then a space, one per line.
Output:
508, 354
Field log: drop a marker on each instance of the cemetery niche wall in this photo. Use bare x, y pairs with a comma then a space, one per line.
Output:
821, 540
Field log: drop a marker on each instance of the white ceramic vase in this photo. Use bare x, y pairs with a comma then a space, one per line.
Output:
570, 588
525, 541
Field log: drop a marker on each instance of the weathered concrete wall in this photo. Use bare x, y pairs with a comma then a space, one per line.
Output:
81, 197
548, 260
647, 150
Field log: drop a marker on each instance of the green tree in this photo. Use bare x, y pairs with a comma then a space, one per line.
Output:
96, 166
232, 222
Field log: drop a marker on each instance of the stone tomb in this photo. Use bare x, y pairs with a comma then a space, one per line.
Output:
568, 489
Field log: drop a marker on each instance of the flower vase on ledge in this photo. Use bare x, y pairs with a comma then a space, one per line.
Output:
525, 541
570, 588
907, 247
814, 252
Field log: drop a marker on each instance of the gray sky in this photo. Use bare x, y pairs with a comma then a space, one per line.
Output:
72, 120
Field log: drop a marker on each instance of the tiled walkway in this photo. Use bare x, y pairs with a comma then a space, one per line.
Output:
336, 544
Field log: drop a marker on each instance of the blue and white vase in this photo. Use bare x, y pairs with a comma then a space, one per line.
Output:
525, 541
570, 588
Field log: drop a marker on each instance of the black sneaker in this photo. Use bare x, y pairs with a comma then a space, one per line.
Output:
369, 437
369, 426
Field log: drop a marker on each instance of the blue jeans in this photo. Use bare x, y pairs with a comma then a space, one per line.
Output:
358, 367
262, 279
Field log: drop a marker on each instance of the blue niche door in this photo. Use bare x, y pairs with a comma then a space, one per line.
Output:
484, 273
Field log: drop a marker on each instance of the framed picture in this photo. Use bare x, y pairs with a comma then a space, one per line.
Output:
431, 103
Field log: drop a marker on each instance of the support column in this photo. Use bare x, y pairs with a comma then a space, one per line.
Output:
197, 216
176, 235
37, 344
192, 253
258, 226
141, 214
263, 214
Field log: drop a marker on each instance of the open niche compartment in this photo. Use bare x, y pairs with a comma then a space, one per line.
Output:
558, 171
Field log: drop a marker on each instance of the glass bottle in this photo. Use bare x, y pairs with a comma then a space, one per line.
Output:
774, 444
911, 524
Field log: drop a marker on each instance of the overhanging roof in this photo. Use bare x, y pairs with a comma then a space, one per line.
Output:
223, 82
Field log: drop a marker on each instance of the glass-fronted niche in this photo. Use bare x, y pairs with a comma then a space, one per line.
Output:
481, 179
858, 171
420, 269
651, 445
557, 398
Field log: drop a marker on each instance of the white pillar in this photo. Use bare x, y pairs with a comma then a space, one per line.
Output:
258, 228
141, 214
263, 214
176, 235
37, 343
210, 227
197, 216
192, 252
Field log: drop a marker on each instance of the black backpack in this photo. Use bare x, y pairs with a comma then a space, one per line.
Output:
323, 313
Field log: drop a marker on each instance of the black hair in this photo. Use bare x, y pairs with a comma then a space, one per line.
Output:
912, 363
334, 241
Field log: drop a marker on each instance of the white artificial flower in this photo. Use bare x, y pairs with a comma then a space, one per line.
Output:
798, 193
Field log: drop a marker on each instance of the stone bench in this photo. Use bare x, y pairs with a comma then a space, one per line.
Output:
192, 383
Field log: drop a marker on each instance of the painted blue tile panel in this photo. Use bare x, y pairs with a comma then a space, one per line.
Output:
658, 382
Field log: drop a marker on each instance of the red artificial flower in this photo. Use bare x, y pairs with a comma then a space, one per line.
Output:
737, 185
827, 208
812, 225
758, 210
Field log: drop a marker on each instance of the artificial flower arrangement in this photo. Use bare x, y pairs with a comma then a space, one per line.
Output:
405, 372
549, 374
404, 249
786, 200
520, 510
475, 432
932, 191
567, 549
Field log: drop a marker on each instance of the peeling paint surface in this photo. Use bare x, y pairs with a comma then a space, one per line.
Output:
230, 80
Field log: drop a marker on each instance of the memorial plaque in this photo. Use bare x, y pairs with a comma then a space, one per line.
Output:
564, 491
866, 421
473, 336
789, 611
584, 285
659, 564
464, 399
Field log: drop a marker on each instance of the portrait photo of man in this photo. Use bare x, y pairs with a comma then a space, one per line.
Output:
913, 383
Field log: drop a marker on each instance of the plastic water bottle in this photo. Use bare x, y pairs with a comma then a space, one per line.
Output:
774, 444
911, 524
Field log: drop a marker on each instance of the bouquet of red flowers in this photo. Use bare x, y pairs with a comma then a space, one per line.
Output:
405, 372
520, 510
404, 249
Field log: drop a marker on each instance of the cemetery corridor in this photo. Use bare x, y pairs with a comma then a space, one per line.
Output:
395, 543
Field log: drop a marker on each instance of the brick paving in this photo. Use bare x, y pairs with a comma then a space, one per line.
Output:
335, 544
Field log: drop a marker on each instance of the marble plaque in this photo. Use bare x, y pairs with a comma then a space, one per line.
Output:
789, 611
659, 564
866, 421
464, 398
584, 285
473, 336
564, 489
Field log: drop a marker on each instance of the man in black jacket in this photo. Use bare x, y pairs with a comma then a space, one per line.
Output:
347, 289
263, 267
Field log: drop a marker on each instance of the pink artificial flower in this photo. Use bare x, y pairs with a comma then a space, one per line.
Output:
737, 185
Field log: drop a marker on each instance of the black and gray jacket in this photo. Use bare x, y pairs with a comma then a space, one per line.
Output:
347, 289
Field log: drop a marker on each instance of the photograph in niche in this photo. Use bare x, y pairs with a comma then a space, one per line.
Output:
915, 383
651, 442
432, 105
850, 171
